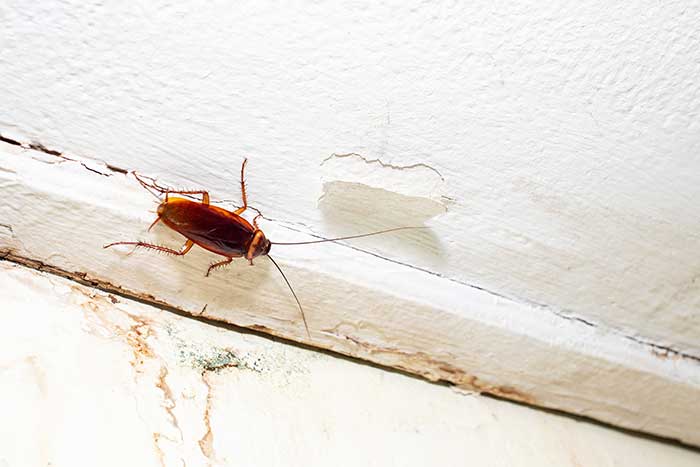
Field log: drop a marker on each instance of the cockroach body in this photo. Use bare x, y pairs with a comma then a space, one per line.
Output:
215, 229
225, 233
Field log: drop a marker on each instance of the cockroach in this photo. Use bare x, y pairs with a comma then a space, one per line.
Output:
220, 231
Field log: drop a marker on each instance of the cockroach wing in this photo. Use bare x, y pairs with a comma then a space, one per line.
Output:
211, 227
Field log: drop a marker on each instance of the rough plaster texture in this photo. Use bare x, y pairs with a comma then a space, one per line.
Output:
552, 148
180, 392
566, 135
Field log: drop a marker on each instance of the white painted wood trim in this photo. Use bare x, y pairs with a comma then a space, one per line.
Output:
60, 211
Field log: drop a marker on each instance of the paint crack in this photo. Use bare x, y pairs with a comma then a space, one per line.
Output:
62, 157
384, 164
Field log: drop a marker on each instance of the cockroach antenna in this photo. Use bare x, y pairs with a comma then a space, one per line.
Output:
349, 236
301, 309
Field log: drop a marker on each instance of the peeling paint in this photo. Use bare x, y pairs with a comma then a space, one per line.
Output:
438, 370
345, 202
352, 180
384, 164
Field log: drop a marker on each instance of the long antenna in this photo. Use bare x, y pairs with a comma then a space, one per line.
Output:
349, 237
295, 295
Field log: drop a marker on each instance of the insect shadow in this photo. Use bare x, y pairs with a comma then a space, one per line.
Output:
349, 205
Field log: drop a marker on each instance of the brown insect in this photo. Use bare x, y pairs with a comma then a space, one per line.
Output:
220, 231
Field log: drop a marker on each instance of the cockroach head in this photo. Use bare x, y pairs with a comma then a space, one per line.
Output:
161, 208
259, 245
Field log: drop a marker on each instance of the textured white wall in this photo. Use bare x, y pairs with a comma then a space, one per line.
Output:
552, 148
566, 135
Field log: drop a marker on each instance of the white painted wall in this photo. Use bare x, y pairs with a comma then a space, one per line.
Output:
566, 134
552, 148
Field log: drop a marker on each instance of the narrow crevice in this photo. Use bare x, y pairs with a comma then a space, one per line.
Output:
116, 169
94, 170
52, 152
40, 147
9, 141
662, 351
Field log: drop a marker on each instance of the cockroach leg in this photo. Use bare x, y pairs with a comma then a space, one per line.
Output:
182, 251
205, 194
255, 220
166, 191
220, 264
244, 197
150, 186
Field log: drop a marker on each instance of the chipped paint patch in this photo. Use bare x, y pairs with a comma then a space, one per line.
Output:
414, 180
437, 369
350, 208
345, 201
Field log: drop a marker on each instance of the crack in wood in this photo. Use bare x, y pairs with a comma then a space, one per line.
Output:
52, 152
42, 148
95, 170
5, 139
